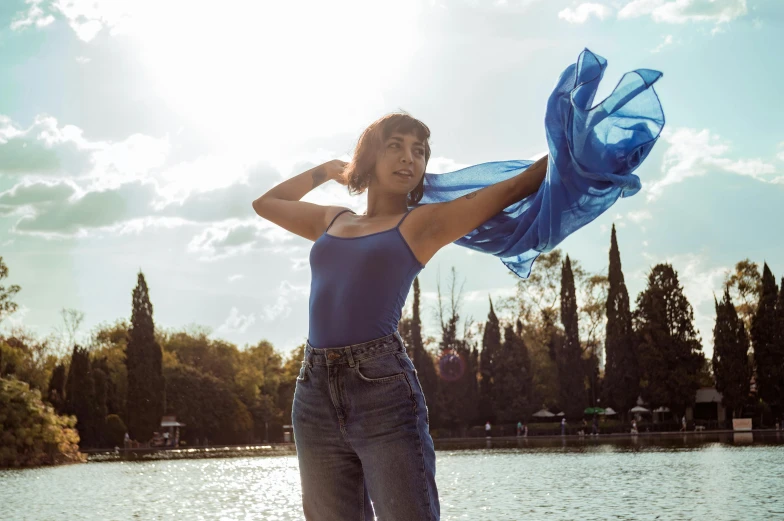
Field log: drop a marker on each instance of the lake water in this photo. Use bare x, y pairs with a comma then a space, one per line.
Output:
681, 478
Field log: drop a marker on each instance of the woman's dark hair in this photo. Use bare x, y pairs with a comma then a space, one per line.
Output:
362, 165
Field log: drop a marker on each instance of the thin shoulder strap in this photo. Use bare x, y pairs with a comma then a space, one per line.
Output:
403, 218
336, 216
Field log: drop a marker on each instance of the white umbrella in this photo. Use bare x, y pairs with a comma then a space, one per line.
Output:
560, 414
609, 411
639, 409
544, 413
662, 409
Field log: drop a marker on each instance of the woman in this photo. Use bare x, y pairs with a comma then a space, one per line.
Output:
360, 419
359, 416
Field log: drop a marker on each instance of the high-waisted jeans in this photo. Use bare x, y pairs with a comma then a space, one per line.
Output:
361, 432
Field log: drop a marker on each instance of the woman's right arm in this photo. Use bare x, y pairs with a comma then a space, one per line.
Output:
282, 206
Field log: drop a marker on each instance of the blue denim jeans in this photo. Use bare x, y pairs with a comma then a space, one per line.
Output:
361, 431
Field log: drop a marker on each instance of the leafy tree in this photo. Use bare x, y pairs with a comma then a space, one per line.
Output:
730, 361
571, 375
621, 384
670, 352
207, 406
491, 359
80, 399
31, 433
513, 380
458, 364
115, 431
745, 286
768, 352
145, 368
410, 329
7, 306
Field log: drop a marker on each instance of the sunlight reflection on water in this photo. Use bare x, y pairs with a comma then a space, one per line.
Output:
713, 481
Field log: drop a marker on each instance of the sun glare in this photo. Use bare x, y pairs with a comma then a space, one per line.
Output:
258, 76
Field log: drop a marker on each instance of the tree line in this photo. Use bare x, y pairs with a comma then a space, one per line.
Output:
565, 340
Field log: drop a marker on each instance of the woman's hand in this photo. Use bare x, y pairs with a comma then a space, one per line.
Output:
334, 170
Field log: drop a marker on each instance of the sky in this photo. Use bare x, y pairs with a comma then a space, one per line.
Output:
134, 135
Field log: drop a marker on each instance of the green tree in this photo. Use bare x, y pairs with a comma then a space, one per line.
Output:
745, 286
670, 352
571, 369
207, 406
80, 399
411, 331
621, 384
730, 355
490, 361
514, 382
56, 392
768, 352
458, 365
7, 305
31, 433
145, 368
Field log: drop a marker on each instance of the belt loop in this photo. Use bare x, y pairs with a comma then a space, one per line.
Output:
349, 357
400, 341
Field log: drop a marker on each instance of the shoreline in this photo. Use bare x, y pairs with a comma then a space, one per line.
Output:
499, 442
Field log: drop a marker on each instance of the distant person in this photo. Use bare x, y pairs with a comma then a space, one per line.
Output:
487, 429
525, 430
595, 426
634, 427
519, 428
127, 441
563, 426
683, 424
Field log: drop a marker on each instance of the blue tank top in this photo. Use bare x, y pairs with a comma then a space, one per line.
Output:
358, 286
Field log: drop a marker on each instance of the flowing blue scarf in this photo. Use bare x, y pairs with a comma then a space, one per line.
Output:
592, 154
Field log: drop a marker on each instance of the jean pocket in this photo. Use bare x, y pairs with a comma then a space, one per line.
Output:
303, 371
380, 369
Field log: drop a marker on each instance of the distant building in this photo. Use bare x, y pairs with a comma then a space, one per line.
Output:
707, 406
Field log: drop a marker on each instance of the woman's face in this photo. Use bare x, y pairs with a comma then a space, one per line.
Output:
400, 164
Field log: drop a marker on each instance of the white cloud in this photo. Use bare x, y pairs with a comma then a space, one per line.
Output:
287, 292
682, 11
238, 276
442, 165
780, 155
231, 237
236, 323
34, 15
639, 216
583, 12
693, 153
666, 43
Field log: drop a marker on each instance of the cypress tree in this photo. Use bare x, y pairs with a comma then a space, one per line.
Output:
768, 355
571, 375
80, 396
488, 363
423, 361
56, 390
145, 373
730, 355
669, 348
621, 384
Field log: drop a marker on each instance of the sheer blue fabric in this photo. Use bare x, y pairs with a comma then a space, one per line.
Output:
593, 152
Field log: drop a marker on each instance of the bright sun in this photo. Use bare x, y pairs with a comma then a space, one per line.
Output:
253, 76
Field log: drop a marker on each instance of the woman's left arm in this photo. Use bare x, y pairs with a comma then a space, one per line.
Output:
447, 222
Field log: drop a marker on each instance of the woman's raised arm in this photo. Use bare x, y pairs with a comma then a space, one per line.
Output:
282, 206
